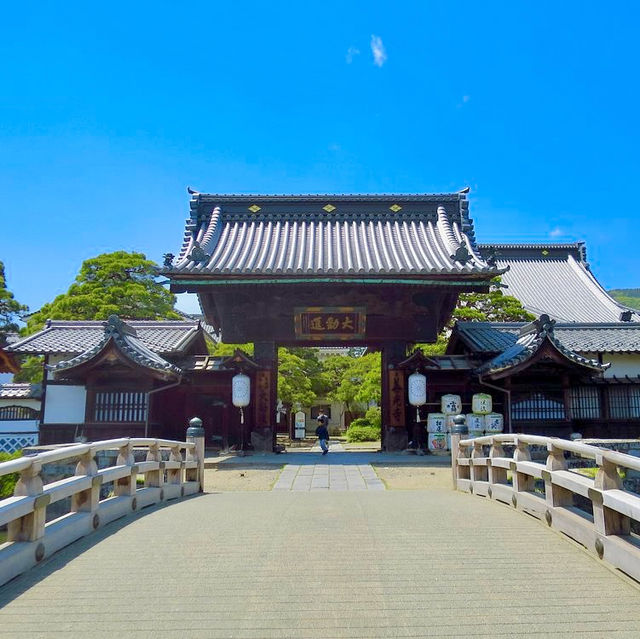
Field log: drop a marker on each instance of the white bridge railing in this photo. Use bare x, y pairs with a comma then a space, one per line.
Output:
512, 479
30, 537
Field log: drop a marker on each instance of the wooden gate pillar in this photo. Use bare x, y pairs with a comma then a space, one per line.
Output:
394, 426
263, 436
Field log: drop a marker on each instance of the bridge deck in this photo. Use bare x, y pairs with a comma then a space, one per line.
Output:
323, 564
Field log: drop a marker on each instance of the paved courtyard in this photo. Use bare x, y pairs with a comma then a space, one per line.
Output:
321, 565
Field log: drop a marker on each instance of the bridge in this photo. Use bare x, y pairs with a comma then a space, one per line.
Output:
525, 546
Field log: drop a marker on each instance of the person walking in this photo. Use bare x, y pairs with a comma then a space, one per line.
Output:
323, 432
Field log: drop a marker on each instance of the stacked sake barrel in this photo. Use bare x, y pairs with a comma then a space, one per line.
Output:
439, 425
482, 420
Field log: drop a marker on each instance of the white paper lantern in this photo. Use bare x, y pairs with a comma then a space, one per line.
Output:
451, 404
481, 403
240, 392
417, 389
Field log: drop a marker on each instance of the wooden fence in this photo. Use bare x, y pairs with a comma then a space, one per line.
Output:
596, 512
31, 538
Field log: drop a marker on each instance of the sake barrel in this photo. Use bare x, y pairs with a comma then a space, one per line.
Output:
481, 403
451, 404
475, 422
436, 423
493, 423
437, 442
475, 433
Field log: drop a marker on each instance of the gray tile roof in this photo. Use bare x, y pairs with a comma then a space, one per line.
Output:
554, 279
20, 391
125, 338
74, 337
530, 340
330, 235
495, 337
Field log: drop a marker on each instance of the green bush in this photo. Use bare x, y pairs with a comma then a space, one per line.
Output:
8, 482
362, 433
374, 415
360, 422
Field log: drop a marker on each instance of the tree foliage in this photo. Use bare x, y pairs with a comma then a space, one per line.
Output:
359, 380
117, 283
10, 309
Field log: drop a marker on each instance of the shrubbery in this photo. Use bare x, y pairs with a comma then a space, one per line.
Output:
8, 482
365, 429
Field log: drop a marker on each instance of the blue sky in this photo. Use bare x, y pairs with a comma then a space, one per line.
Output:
108, 111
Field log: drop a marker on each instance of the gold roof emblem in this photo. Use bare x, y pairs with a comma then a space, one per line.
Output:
395, 208
328, 208
254, 208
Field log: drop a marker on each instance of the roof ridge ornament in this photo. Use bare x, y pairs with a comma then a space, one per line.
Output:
117, 327
462, 254
197, 253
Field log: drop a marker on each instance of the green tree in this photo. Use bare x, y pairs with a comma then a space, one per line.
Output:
360, 380
118, 283
294, 383
493, 306
10, 309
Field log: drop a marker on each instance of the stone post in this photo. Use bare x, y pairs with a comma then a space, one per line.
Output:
458, 432
31, 526
126, 486
88, 500
195, 433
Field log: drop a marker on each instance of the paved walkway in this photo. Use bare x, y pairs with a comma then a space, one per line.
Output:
322, 565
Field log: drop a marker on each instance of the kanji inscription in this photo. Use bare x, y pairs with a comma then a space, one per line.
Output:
396, 399
263, 398
330, 323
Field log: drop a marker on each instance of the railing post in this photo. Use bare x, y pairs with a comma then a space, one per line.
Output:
521, 481
31, 526
555, 495
154, 478
195, 434
606, 520
478, 473
496, 475
174, 475
87, 500
126, 486
458, 432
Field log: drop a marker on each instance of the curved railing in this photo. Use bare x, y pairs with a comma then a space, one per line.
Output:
30, 537
561, 497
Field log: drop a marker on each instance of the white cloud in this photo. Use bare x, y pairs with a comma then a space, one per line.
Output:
556, 232
352, 52
378, 51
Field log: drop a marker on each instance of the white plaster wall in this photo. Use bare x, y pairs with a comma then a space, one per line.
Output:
622, 364
19, 426
65, 404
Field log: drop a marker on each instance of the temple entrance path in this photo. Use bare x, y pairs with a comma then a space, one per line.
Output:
322, 565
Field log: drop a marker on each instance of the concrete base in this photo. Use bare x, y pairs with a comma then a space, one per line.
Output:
262, 440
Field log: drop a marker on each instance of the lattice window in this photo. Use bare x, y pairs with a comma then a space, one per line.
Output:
548, 406
116, 406
624, 401
10, 443
585, 402
14, 413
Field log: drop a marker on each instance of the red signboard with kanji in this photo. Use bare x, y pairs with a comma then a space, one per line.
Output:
329, 323
396, 399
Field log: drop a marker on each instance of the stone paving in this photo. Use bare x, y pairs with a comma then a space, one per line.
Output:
336, 471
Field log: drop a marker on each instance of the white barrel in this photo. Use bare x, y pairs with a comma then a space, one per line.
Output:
481, 403
475, 422
437, 441
493, 423
451, 404
436, 423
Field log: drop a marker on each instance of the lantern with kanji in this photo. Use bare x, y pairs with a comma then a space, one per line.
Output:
417, 391
241, 392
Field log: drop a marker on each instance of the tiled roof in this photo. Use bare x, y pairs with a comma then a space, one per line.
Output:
71, 337
554, 279
330, 235
124, 337
495, 337
531, 339
20, 391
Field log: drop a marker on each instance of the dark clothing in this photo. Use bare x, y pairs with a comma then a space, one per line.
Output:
323, 420
322, 432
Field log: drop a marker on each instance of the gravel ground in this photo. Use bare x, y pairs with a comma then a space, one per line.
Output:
240, 478
414, 477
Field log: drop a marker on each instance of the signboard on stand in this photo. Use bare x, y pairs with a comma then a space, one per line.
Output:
300, 425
